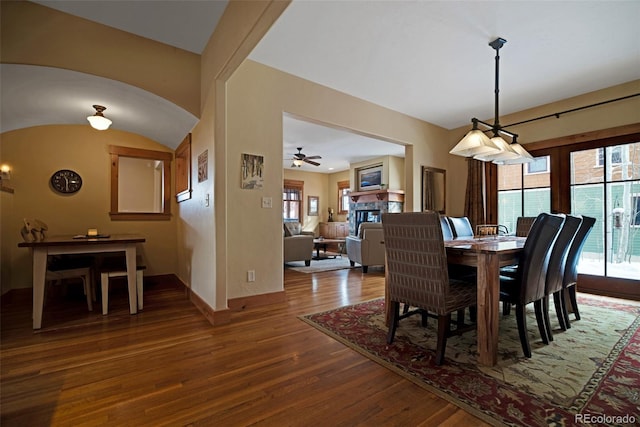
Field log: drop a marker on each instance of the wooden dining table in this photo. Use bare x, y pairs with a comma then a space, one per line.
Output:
487, 254
58, 245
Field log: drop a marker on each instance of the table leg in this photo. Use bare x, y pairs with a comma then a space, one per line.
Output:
131, 277
488, 308
39, 275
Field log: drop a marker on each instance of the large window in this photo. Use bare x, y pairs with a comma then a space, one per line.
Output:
343, 197
523, 190
292, 200
609, 192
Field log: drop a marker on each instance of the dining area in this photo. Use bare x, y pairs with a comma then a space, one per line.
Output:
89, 257
441, 267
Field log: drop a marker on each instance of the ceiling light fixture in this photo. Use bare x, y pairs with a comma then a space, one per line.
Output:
297, 162
478, 145
98, 120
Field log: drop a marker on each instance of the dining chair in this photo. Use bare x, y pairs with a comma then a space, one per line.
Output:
447, 233
569, 281
555, 271
61, 268
528, 285
523, 225
460, 226
417, 275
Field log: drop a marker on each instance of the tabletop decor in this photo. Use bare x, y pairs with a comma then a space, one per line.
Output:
589, 370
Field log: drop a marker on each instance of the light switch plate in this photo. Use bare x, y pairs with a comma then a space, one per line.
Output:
267, 202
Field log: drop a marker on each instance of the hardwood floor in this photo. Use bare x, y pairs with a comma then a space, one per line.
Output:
169, 366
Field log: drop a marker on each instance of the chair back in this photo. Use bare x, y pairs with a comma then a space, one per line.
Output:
558, 257
447, 233
571, 263
534, 262
461, 226
416, 260
523, 225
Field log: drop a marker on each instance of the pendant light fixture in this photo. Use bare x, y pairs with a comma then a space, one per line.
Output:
495, 149
98, 120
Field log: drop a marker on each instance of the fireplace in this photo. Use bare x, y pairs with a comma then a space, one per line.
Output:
366, 215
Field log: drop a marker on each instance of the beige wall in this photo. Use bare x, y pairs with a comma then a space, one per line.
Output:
34, 155
315, 184
256, 99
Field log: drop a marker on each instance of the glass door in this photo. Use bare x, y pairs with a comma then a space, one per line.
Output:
605, 184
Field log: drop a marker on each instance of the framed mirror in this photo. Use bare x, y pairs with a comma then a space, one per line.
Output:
434, 189
140, 184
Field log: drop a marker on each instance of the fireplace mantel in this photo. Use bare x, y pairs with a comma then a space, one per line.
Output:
376, 195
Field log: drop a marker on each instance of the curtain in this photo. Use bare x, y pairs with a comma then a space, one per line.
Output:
474, 198
428, 190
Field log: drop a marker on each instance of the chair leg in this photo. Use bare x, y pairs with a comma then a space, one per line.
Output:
506, 308
460, 318
542, 313
565, 310
140, 288
559, 305
393, 322
473, 313
86, 283
365, 268
522, 329
443, 332
574, 301
104, 282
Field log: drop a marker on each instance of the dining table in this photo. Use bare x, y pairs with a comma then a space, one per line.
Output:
488, 254
80, 244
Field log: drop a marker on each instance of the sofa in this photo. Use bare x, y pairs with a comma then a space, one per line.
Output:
367, 248
298, 244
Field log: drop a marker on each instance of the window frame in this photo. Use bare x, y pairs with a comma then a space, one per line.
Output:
295, 185
342, 186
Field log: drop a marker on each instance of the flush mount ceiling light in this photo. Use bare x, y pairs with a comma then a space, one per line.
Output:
479, 146
98, 120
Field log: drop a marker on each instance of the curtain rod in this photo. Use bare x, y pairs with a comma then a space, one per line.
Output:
557, 115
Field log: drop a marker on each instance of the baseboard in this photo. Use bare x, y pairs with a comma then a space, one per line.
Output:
243, 303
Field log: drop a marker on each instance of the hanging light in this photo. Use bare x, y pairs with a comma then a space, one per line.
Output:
297, 163
98, 120
496, 149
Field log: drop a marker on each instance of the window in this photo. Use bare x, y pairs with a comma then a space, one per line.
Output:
616, 156
343, 197
292, 200
523, 190
539, 165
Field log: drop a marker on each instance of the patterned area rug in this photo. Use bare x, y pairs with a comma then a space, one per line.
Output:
589, 375
326, 264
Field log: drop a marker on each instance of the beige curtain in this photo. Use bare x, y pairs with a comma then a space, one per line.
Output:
474, 198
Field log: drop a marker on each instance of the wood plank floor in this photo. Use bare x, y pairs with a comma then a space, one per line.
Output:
169, 366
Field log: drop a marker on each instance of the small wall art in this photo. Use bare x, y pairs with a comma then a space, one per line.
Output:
203, 166
312, 210
252, 169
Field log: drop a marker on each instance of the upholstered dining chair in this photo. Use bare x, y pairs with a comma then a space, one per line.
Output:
528, 285
555, 271
417, 275
570, 278
460, 226
447, 233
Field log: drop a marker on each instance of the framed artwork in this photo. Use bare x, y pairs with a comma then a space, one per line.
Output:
203, 166
252, 168
370, 178
314, 202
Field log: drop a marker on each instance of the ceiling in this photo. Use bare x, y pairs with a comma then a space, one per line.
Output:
427, 59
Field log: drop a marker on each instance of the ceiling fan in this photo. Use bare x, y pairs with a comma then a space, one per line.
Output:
299, 157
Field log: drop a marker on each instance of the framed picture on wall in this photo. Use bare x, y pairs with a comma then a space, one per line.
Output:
370, 178
252, 169
314, 202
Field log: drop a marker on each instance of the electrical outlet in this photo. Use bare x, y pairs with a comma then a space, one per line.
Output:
267, 202
251, 276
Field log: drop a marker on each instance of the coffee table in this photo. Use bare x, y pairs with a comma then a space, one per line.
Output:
322, 243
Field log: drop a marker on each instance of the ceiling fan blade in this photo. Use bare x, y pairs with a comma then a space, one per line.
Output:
313, 157
311, 162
